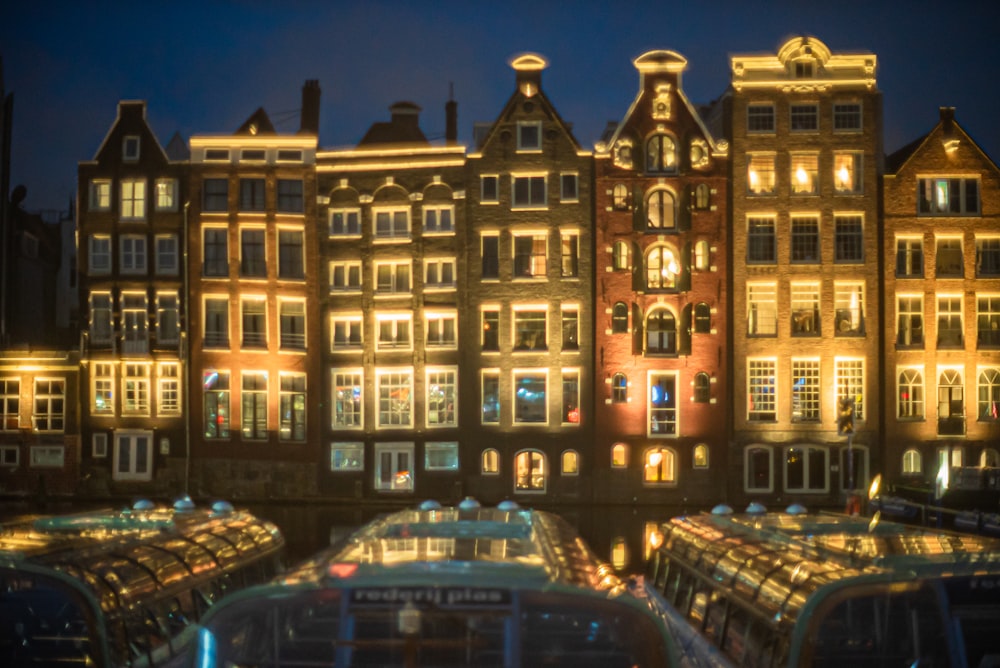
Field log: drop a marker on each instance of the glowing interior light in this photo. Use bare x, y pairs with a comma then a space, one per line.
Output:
801, 175
655, 458
753, 178
845, 176
655, 540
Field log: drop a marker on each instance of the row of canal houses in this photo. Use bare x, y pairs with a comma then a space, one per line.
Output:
670, 317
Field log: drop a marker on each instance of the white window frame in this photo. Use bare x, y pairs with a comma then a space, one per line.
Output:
99, 260
168, 388
100, 195
132, 204
435, 323
167, 250
850, 374
525, 146
845, 112
352, 456
10, 456
350, 225
447, 449
102, 384
531, 203
916, 387
131, 146
47, 457
135, 388
384, 381
400, 321
48, 400
438, 265
392, 234
400, 271
446, 376
345, 276
402, 480
133, 440
133, 254
353, 378
164, 307
166, 194
518, 415
434, 223
848, 180
494, 375
347, 322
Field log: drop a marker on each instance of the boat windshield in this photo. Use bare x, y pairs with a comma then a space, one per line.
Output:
440, 626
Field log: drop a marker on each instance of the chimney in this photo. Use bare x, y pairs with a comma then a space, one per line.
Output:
947, 114
310, 108
529, 68
451, 118
405, 114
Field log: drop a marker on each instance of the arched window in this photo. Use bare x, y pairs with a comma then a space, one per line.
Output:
659, 466
661, 154
619, 256
662, 268
619, 318
661, 333
911, 394
619, 456
701, 196
619, 197
989, 395
951, 403
530, 471
702, 388
989, 458
619, 388
491, 462
701, 255
702, 318
912, 462
661, 211
701, 456
570, 462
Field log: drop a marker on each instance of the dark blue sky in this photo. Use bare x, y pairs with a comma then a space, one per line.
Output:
204, 67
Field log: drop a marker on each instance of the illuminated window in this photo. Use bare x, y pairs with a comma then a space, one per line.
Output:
102, 390
759, 467
216, 251
760, 174
760, 117
528, 191
571, 397
701, 196
252, 194
530, 471
100, 318
846, 116
659, 466
620, 197
662, 408
254, 405
394, 467
805, 391
805, 309
133, 456
661, 154
442, 398
762, 309
490, 462
168, 389
100, 195
395, 392
392, 277
347, 399
216, 322
662, 268
761, 241
805, 239
619, 388
135, 322
530, 329
530, 251
987, 257
619, 318
804, 117
569, 243
847, 172
292, 318
135, 389
253, 258
392, 223
619, 456
345, 223
346, 332
761, 390
909, 258
946, 197
912, 462
661, 332
619, 256
661, 211
570, 328
439, 219
168, 326
133, 254
254, 319
345, 277
290, 254
700, 456
950, 260
441, 329
290, 196
133, 199
849, 305
166, 254
909, 321
851, 383
988, 406
570, 462
216, 388
949, 322
530, 404
804, 173
488, 188
490, 256
215, 195
347, 457
100, 254
988, 321
951, 404
292, 407
569, 190
491, 397
491, 330
910, 386
529, 135
441, 456
702, 388
394, 331
806, 469
166, 194
439, 274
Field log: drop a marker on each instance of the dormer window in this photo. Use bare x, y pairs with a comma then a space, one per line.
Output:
804, 69
130, 149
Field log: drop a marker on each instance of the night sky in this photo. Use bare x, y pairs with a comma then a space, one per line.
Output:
204, 67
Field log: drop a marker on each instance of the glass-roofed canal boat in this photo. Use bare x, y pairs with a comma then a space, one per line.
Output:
799, 589
122, 588
442, 586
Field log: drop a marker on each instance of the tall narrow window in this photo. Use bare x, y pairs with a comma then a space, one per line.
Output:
347, 399
216, 384
662, 408
395, 391
216, 322
135, 323
570, 328
49, 406
530, 403
166, 254
950, 259
290, 196
570, 254
491, 330
490, 410
253, 260
135, 389
290, 254
988, 321
619, 388
761, 241
805, 173
951, 404
661, 332
988, 406
570, 397
531, 471
661, 212
911, 395
909, 258
661, 154
292, 407
805, 309
254, 405
909, 321
252, 194
805, 390
491, 256
168, 389
167, 318
293, 325
254, 322
100, 254
702, 388
805, 239
949, 322
133, 199
215, 195
761, 389
619, 318
103, 394
987, 257
760, 174
762, 309
849, 305
851, 383
662, 268
847, 172
216, 252
442, 398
